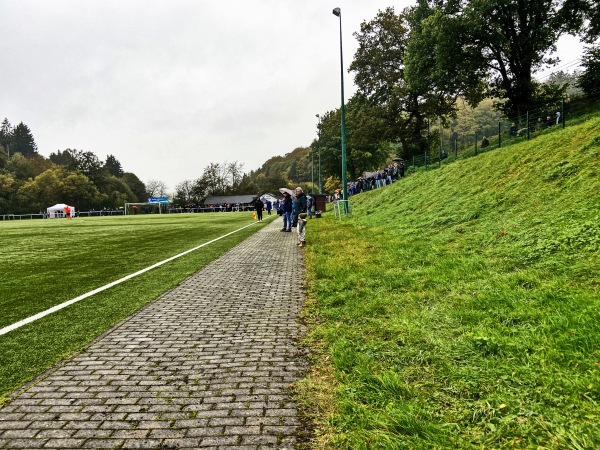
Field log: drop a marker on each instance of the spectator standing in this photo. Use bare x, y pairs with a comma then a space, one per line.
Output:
299, 205
259, 205
401, 169
302, 229
269, 207
310, 201
286, 208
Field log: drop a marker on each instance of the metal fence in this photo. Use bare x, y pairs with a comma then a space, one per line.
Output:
59, 216
447, 146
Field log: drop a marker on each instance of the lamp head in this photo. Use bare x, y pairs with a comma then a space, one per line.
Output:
337, 12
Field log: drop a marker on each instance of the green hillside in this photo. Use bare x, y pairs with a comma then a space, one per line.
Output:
460, 307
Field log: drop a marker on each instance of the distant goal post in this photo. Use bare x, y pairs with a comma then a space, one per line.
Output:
143, 208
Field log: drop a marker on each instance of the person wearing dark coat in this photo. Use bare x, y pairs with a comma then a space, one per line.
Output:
287, 212
401, 169
300, 205
259, 205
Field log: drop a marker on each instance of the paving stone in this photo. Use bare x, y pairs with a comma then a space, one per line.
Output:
141, 443
207, 365
181, 443
103, 443
64, 443
19, 434
24, 443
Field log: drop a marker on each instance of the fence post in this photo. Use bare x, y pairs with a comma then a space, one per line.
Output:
476, 143
425, 159
456, 146
428, 137
499, 134
562, 112
527, 125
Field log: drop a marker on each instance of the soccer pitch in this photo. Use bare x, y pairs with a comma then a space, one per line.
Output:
47, 262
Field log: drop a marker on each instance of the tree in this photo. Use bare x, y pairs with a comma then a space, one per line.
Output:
379, 66
566, 82
6, 136
20, 167
483, 120
366, 146
89, 164
59, 185
117, 192
39, 164
3, 158
184, 194
22, 141
136, 186
434, 37
113, 166
589, 80
507, 39
8, 187
236, 172
592, 13
84, 161
156, 188
66, 158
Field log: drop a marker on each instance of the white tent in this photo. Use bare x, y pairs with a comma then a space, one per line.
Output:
269, 197
58, 210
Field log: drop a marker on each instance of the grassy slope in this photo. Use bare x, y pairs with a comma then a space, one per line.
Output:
460, 308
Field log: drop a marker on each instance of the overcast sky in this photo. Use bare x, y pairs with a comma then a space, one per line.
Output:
169, 86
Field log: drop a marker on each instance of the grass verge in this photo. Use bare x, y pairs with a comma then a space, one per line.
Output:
460, 308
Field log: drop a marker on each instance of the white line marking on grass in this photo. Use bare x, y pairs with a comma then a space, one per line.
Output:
37, 316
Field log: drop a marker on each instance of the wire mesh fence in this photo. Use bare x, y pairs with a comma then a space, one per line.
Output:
447, 145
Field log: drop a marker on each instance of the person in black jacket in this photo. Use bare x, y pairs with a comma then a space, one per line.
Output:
300, 205
287, 212
259, 205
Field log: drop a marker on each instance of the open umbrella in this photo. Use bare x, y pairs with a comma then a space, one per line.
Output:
289, 191
397, 159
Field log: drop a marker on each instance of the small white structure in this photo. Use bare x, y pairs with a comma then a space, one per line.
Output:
269, 197
57, 211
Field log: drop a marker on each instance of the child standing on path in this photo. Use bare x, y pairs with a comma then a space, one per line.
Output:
302, 229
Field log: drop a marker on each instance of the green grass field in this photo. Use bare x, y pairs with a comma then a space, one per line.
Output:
460, 307
47, 262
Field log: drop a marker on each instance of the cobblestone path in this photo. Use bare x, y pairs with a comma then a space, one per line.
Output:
206, 366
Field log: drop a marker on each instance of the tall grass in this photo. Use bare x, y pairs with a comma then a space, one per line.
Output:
460, 308
46, 262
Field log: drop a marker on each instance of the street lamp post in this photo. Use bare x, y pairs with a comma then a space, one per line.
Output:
319, 152
312, 171
338, 12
